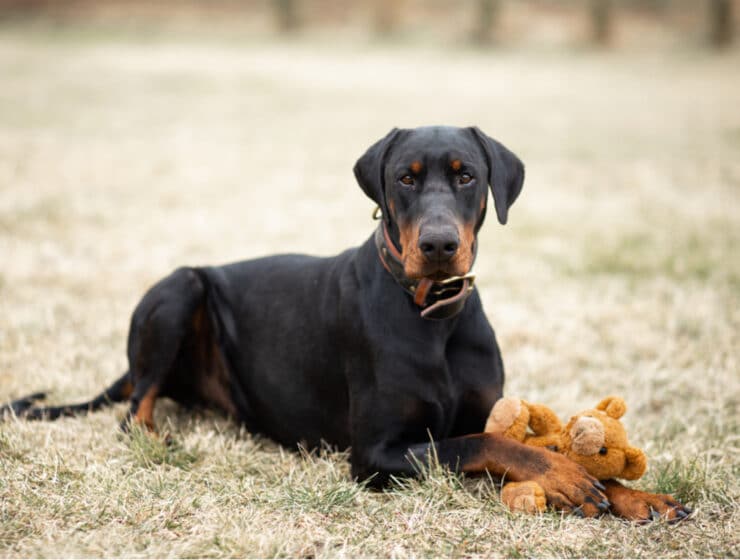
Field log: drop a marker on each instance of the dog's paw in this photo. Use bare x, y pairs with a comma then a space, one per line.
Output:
644, 507
568, 487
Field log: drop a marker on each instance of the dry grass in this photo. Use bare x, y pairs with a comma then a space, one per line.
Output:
619, 273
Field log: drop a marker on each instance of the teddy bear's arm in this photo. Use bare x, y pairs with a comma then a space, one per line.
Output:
552, 441
543, 420
635, 465
546, 426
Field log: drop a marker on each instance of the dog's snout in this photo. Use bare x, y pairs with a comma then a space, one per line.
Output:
439, 246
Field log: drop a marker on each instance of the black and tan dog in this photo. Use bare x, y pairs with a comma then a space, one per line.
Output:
378, 348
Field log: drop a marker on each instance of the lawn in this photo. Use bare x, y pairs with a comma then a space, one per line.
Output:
123, 156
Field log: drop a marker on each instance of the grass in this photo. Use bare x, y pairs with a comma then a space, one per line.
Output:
617, 274
148, 452
683, 255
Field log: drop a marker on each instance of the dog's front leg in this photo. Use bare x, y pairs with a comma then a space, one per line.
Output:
567, 486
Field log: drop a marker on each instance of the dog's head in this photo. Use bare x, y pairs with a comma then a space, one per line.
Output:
431, 185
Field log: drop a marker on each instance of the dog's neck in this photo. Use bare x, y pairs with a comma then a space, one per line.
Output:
438, 300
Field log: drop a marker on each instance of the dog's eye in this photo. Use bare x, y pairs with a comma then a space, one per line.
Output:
407, 180
465, 178
602, 451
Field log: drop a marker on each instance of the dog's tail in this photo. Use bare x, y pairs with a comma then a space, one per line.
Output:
119, 391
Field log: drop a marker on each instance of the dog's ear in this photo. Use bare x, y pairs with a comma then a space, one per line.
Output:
370, 170
505, 173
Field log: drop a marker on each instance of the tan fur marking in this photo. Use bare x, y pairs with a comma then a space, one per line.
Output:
213, 379
416, 166
413, 260
498, 455
127, 389
462, 262
456, 164
145, 413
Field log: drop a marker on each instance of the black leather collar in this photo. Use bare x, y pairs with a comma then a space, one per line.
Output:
438, 300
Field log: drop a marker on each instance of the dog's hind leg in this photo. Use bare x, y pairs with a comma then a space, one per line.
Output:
159, 326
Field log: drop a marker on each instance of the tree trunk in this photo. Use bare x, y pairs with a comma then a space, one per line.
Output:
601, 17
486, 20
387, 14
720, 16
287, 16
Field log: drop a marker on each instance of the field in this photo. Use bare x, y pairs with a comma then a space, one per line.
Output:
123, 156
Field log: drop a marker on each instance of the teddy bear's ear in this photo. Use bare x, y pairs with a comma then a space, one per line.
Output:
636, 464
587, 436
613, 406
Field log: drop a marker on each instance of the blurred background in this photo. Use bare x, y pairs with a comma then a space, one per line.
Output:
136, 136
614, 23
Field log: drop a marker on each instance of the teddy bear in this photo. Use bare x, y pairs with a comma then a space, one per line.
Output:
594, 438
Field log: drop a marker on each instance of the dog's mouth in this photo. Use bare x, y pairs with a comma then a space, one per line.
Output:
440, 276
435, 273
434, 296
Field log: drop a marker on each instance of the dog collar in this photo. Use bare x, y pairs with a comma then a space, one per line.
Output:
438, 300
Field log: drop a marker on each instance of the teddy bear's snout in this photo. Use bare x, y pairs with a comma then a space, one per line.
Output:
587, 435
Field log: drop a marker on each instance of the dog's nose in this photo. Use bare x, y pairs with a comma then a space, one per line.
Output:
439, 246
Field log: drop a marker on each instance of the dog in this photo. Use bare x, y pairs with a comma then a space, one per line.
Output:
384, 349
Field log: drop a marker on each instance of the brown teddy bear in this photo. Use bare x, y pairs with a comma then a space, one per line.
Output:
594, 438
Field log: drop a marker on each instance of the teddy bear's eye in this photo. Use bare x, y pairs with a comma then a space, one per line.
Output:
602, 451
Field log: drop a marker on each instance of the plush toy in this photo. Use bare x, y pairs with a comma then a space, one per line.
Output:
595, 439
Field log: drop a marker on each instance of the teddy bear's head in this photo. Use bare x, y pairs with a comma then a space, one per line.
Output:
597, 440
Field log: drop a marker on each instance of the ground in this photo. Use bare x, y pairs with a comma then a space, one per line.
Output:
123, 156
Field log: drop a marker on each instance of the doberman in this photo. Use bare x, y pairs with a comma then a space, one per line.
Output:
384, 348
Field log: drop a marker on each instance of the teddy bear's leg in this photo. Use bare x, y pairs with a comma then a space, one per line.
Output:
640, 506
528, 497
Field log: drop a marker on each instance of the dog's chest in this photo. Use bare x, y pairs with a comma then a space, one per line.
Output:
432, 412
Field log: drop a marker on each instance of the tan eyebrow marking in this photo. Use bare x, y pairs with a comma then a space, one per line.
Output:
456, 164
416, 166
